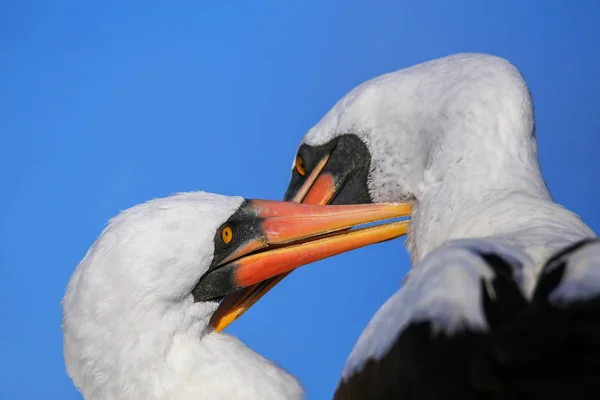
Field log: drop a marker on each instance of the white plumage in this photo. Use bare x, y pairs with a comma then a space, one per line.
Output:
131, 327
144, 309
456, 136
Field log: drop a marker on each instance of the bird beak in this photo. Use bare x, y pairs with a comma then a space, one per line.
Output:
294, 235
318, 188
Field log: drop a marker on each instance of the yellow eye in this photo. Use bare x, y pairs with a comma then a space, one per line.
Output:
300, 166
227, 234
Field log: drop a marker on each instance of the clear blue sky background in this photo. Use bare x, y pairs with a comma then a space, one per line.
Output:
105, 106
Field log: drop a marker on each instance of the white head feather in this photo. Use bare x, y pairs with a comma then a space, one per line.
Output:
456, 134
131, 327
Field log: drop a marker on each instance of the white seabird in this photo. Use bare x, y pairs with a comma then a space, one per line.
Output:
503, 297
137, 310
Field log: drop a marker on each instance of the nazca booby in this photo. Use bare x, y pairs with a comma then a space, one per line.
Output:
503, 295
137, 308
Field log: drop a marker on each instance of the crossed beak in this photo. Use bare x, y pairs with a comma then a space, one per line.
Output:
290, 235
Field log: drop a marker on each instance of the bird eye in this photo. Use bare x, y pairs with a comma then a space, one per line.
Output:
227, 234
300, 166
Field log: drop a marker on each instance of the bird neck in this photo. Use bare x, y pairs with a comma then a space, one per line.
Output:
174, 356
501, 197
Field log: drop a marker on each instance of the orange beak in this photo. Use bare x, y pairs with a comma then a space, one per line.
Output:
292, 235
320, 187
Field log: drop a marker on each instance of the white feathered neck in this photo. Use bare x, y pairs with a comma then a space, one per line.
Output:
131, 329
456, 134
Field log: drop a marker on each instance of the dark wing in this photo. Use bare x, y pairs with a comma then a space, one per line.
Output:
460, 328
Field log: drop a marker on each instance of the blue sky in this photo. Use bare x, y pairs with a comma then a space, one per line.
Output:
105, 106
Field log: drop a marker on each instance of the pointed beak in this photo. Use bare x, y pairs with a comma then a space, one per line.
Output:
319, 188
294, 235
